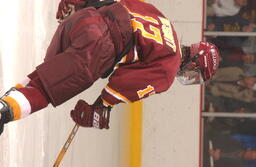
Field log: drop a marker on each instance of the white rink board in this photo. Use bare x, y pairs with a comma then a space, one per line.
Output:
172, 120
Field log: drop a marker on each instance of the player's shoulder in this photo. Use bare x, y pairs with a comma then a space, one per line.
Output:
141, 7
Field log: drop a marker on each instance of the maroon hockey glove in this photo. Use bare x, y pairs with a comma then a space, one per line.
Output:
65, 9
96, 115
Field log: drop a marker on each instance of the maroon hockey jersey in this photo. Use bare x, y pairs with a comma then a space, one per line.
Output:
151, 66
86, 44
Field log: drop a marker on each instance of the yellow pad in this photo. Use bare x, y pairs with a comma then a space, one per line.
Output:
15, 107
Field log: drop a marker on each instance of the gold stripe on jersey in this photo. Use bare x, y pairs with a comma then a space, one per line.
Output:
147, 18
122, 61
105, 103
117, 95
18, 86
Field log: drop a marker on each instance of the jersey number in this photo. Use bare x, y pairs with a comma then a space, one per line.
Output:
156, 32
148, 90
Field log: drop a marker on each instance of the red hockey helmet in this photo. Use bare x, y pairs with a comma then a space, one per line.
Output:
200, 63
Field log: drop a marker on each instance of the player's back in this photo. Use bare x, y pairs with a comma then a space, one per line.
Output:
155, 36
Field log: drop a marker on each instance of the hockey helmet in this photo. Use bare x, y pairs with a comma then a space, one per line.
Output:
199, 63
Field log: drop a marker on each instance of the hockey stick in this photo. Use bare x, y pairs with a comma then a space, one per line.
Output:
66, 145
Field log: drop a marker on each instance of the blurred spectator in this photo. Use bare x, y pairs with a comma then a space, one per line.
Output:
250, 69
235, 56
227, 104
232, 82
251, 5
231, 41
233, 89
221, 8
243, 158
249, 44
245, 127
228, 149
249, 11
234, 23
231, 16
237, 51
232, 126
248, 141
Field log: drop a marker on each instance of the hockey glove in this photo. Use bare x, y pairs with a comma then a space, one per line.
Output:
64, 9
5, 115
96, 115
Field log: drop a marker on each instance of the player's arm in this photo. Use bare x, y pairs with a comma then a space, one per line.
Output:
88, 56
64, 75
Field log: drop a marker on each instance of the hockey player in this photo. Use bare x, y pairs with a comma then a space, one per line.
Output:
131, 42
